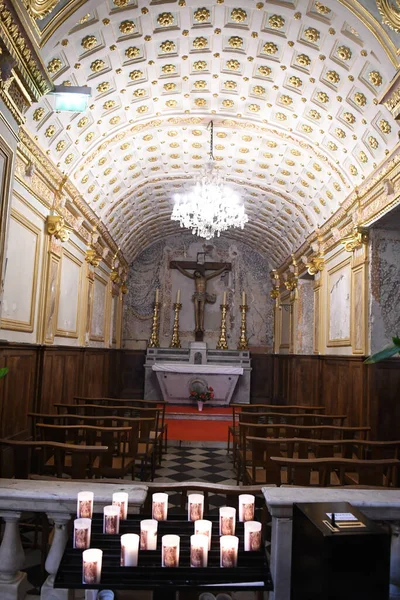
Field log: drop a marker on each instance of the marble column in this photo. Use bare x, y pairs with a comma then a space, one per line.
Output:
54, 558
13, 583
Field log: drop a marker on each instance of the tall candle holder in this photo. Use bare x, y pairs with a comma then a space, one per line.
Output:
175, 341
154, 342
243, 342
222, 343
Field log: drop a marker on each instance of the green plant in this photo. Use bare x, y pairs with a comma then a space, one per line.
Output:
3, 372
386, 352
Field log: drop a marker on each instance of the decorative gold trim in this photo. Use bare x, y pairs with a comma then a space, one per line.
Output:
390, 16
92, 257
356, 239
39, 9
56, 226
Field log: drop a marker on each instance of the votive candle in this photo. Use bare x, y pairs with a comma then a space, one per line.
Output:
160, 506
203, 527
82, 533
252, 536
111, 519
224, 300
227, 520
84, 509
178, 296
243, 298
228, 551
195, 507
246, 507
198, 551
148, 534
129, 550
170, 545
91, 566
121, 499
157, 295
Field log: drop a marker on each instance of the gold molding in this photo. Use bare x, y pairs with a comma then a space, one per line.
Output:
390, 16
331, 343
356, 239
39, 9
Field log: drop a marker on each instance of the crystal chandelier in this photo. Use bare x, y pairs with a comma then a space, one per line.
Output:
210, 206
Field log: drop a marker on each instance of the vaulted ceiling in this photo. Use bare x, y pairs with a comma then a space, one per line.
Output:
292, 88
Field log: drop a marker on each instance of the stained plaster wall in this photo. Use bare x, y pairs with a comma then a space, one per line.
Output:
250, 273
305, 317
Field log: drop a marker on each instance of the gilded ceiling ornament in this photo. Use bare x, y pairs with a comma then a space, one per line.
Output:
312, 35
332, 76
243, 150
69, 159
384, 126
235, 42
201, 15
270, 48
285, 173
349, 117
303, 60
104, 86
232, 64
238, 15
373, 142
199, 65
264, 70
107, 171
50, 131
227, 103
132, 52
286, 99
127, 27
38, 114
121, 3
221, 134
332, 146
276, 21
289, 162
241, 161
375, 78
247, 138
139, 93
390, 14
271, 144
171, 103
340, 133
142, 109
85, 179
169, 87
84, 19
337, 186
230, 85
317, 167
112, 180
109, 104
200, 43
168, 46
322, 97
344, 52
89, 136
295, 81
61, 145
259, 90
165, 19
360, 99
102, 160
168, 69
82, 122
310, 175
307, 128
200, 102
254, 107
54, 65
174, 133
322, 9
97, 65
136, 74
89, 42
115, 120
363, 157
353, 170
314, 114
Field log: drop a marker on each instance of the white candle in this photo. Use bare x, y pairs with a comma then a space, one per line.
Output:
160, 506
227, 520
198, 551
203, 527
91, 566
111, 519
84, 508
121, 499
224, 300
129, 550
228, 551
82, 533
148, 534
246, 507
157, 295
195, 507
252, 536
178, 296
170, 545
243, 298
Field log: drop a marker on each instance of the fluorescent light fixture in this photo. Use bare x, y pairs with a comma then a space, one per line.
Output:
71, 98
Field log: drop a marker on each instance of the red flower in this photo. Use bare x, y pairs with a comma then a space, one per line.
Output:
192, 393
202, 396
211, 395
210, 389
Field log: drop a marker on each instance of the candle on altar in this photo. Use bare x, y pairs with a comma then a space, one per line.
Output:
170, 545
252, 536
224, 300
91, 566
121, 499
178, 296
228, 551
157, 295
198, 551
246, 507
160, 506
84, 508
82, 531
129, 550
203, 527
195, 507
243, 298
148, 534
227, 520
111, 519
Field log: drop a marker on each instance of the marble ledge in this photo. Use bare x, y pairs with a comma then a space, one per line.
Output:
60, 496
374, 503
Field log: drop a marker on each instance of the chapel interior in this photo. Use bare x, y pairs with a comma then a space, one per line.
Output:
112, 307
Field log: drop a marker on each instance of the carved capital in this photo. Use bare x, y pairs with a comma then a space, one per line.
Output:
274, 293
92, 257
114, 276
316, 264
391, 96
56, 226
356, 239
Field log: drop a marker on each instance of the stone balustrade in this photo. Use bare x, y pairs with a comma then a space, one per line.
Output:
58, 500
378, 505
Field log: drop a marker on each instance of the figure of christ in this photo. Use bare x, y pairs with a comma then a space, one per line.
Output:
200, 296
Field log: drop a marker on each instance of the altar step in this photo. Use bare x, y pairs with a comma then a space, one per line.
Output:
191, 413
186, 423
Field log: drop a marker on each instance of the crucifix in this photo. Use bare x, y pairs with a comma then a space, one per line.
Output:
200, 296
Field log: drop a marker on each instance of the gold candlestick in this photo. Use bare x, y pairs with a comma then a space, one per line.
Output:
154, 342
175, 341
222, 343
243, 343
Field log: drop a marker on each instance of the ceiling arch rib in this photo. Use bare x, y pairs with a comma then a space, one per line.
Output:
292, 91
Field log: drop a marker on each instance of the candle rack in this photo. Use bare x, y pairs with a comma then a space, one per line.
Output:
222, 342
243, 342
154, 342
175, 341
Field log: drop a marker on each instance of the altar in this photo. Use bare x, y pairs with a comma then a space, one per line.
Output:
170, 374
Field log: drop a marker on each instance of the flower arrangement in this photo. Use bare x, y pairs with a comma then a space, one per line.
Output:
202, 396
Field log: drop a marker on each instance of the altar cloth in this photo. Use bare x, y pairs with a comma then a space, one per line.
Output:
199, 369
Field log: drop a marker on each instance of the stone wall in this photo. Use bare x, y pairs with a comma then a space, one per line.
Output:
250, 273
